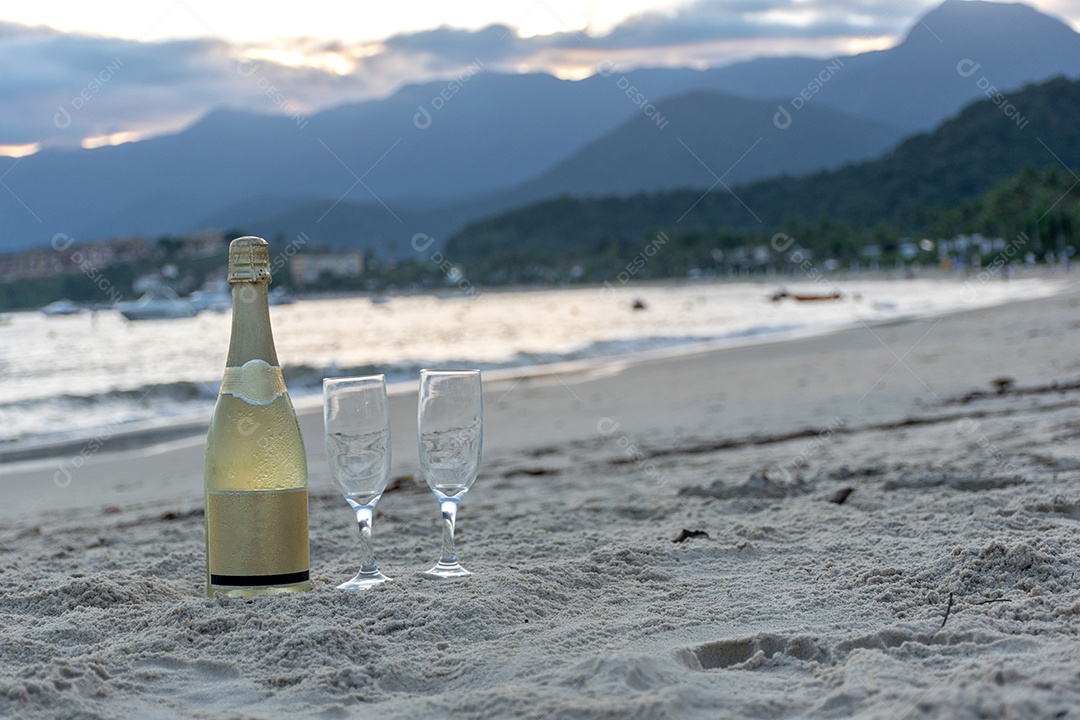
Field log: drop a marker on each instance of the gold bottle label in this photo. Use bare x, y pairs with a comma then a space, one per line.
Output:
257, 538
256, 382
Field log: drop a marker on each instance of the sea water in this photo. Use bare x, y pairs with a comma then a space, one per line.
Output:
82, 375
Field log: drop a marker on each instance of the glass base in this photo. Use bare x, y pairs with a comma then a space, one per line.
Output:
442, 571
363, 581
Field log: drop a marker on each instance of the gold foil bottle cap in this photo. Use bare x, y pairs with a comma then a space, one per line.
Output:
249, 260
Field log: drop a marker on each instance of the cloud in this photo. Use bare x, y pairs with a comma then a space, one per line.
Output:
712, 20
61, 89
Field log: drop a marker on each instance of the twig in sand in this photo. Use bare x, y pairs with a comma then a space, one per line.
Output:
687, 534
948, 609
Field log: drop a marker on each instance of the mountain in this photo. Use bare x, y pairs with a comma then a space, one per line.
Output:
435, 155
496, 131
910, 87
913, 85
960, 160
704, 138
951, 56
696, 135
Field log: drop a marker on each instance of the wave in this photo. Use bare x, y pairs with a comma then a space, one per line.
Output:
179, 391
306, 379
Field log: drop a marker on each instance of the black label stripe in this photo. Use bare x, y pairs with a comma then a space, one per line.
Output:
259, 580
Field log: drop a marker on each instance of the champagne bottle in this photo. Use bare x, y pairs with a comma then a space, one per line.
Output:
256, 469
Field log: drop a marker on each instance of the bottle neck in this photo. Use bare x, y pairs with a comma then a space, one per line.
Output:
252, 338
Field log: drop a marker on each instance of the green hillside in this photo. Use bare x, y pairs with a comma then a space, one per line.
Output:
968, 175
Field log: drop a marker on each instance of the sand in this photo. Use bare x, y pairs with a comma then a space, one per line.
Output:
651, 539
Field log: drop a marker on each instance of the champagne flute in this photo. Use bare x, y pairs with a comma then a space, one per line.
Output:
451, 421
357, 417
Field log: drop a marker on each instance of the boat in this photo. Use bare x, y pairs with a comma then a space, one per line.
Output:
158, 304
834, 295
61, 307
806, 297
379, 299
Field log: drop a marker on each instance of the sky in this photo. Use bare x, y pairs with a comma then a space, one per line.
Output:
75, 74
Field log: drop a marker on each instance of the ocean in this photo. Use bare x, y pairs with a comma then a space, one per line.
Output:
84, 375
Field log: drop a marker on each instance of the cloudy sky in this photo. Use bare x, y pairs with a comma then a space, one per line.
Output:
76, 73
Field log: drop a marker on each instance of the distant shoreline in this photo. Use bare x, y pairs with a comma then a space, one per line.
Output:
768, 281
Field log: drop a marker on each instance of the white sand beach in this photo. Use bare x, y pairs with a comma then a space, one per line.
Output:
881, 523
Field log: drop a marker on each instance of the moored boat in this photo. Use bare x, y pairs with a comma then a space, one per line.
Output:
158, 304
61, 307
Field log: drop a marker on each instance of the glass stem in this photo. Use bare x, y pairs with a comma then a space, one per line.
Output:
449, 516
364, 514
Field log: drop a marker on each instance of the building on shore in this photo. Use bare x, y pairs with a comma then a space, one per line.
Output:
66, 257
306, 268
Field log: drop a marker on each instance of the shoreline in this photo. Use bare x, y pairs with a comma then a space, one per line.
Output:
796, 277
667, 401
147, 435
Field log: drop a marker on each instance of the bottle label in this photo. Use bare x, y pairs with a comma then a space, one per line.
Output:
256, 382
257, 538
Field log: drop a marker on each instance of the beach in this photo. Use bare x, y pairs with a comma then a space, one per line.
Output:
881, 522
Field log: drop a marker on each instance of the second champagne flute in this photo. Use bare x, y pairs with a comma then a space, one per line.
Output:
451, 421
357, 416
